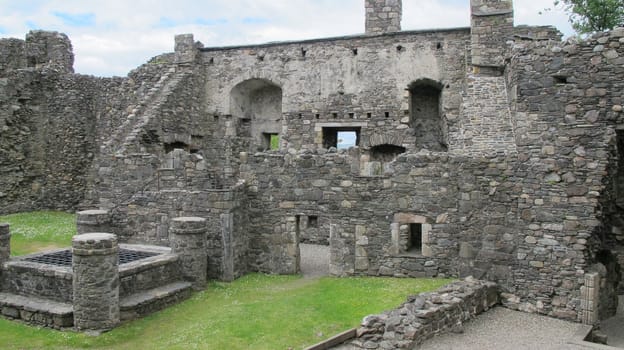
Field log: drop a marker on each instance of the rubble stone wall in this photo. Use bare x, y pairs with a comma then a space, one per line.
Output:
426, 315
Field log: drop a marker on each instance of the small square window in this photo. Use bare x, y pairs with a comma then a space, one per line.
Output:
313, 221
271, 141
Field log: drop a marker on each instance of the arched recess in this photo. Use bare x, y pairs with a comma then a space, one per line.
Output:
426, 120
385, 153
258, 102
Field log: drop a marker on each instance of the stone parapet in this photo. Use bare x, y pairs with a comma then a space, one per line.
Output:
188, 239
96, 281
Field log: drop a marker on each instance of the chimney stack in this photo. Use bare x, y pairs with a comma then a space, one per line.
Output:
383, 16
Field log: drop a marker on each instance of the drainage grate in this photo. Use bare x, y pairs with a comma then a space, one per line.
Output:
64, 257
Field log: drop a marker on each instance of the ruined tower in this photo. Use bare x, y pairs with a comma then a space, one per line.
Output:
383, 16
491, 26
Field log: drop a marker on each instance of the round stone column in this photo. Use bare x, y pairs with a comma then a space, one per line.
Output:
88, 221
5, 243
96, 281
187, 237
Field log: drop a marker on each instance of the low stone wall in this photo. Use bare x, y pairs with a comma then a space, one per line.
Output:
427, 314
44, 281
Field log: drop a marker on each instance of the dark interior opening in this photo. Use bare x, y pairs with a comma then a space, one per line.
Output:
386, 152
176, 145
313, 221
560, 79
415, 238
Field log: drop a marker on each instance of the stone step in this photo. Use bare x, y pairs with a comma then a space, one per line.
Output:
37, 311
146, 302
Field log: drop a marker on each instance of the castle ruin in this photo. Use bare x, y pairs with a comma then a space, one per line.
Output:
494, 151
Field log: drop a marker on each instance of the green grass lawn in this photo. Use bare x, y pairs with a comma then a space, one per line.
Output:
254, 312
41, 230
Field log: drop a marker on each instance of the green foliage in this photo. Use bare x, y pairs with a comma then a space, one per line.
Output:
41, 230
274, 142
254, 312
587, 16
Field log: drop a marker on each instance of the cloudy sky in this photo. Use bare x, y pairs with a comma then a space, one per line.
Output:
114, 36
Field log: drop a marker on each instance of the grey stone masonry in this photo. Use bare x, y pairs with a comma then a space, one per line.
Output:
185, 50
96, 281
188, 239
88, 221
590, 298
383, 16
5, 243
485, 117
425, 315
491, 27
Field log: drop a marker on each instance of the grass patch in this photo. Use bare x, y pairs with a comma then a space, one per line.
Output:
254, 312
41, 230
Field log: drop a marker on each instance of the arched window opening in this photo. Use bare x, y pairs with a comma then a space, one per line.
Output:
259, 102
425, 117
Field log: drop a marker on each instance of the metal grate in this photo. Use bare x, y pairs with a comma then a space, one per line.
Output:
64, 257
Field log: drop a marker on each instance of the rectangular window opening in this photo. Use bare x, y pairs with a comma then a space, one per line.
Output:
313, 221
271, 141
341, 137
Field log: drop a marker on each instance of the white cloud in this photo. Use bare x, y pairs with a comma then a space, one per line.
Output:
128, 33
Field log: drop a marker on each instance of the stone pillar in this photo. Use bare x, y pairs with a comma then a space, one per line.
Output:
5, 243
341, 257
383, 16
590, 298
490, 28
292, 246
96, 281
227, 225
88, 221
187, 237
185, 50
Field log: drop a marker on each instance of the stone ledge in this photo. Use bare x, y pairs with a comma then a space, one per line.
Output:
138, 266
143, 303
37, 310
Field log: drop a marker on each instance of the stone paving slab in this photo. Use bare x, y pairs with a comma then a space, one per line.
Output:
505, 329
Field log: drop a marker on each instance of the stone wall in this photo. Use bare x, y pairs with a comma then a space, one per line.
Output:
52, 122
521, 188
456, 197
353, 83
426, 315
566, 99
29, 278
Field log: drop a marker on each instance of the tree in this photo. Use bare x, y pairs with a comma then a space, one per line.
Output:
587, 16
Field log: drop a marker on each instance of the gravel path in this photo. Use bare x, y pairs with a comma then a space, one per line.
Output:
504, 329
314, 260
